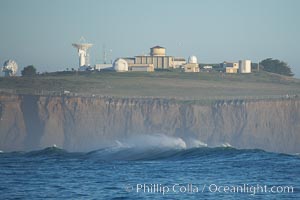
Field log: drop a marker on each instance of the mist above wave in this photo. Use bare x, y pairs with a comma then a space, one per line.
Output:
158, 146
159, 141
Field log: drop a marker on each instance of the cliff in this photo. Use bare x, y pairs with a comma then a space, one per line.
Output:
81, 124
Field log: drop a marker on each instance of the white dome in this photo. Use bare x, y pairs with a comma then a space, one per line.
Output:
192, 60
120, 65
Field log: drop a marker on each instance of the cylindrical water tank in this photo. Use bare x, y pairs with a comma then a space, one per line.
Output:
245, 66
157, 51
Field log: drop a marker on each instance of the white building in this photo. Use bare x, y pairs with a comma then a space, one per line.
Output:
141, 67
99, 67
193, 60
245, 66
192, 65
120, 65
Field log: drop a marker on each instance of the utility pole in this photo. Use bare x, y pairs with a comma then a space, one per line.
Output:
104, 54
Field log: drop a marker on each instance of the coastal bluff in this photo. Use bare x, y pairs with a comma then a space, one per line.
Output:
31, 122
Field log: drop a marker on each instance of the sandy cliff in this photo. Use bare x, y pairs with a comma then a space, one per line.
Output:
83, 124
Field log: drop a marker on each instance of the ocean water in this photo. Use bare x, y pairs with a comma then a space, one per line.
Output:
161, 168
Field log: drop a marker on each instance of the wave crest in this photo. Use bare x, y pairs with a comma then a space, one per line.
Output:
144, 147
152, 141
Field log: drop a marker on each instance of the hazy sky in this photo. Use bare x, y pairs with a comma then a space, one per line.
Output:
40, 32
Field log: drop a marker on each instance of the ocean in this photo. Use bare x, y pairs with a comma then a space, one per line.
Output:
162, 169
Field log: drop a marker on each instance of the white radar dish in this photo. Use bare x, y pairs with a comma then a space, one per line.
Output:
10, 68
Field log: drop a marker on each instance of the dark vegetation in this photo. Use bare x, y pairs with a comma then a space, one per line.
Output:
29, 71
276, 66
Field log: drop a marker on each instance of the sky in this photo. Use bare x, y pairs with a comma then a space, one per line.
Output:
41, 32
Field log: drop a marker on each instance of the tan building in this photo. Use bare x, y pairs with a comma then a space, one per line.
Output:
129, 60
230, 64
141, 67
191, 67
157, 57
231, 70
178, 62
230, 67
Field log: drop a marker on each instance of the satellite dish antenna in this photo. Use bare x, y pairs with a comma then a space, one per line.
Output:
82, 47
10, 68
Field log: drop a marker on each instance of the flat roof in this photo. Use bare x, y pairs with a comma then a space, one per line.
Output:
152, 56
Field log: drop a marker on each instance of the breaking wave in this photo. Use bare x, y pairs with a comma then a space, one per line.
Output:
147, 147
125, 153
147, 154
152, 141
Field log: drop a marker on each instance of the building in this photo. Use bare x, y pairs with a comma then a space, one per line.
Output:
178, 62
141, 67
207, 67
157, 57
231, 70
99, 67
192, 65
230, 67
245, 66
129, 60
230, 64
120, 65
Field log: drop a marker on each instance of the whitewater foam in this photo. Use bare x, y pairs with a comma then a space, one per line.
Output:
226, 144
194, 143
123, 152
152, 142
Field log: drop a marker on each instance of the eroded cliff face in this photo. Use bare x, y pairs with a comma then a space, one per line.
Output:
84, 124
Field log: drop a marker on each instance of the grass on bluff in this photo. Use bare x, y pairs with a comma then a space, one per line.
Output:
202, 85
